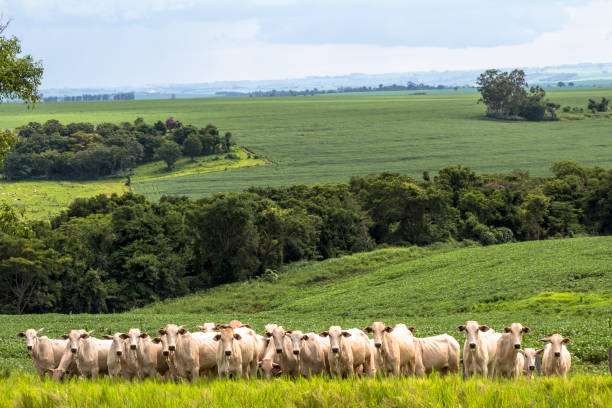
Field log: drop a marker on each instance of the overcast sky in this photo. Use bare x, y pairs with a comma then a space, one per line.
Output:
108, 43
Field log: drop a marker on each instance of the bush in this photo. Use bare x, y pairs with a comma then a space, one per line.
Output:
533, 110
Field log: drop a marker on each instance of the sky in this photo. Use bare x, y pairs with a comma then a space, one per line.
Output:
114, 43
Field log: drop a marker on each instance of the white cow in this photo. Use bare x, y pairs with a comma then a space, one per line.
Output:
395, 348
479, 348
311, 352
115, 359
185, 350
45, 353
436, 353
92, 355
270, 362
284, 349
349, 349
527, 361
229, 353
507, 364
209, 327
68, 362
556, 360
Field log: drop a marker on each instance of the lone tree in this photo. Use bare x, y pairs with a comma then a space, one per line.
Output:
20, 78
169, 152
503, 93
192, 146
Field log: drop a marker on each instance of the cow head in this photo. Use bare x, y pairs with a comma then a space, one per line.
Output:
234, 324
530, 358
226, 339
556, 344
132, 337
296, 337
171, 333
31, 337
207, 327
472, 330
117, 344
269, 368
515, 331
278, 336
378, 330
335, 334
74, 338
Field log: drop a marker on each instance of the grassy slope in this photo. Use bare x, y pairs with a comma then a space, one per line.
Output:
332, 137
434, 290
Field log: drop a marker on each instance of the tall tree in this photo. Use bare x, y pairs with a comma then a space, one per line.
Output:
169, 152
192, 146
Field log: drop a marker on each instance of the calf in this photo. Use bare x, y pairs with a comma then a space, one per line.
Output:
116, 355
507, 364
68, 363
556, 360
479, 348
436, 353
166, 364
270, 362
284, 349
395, 347
527, 361
46, 354
349, 350
148, 353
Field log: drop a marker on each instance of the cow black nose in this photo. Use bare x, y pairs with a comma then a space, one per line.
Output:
296, 352
335, 349
29, 347
73, 350
279, 350
165, 352
228, 352
118, 353
377, 345
532, 368
133, 346
557, 354
472, 345
517, 346
171, 348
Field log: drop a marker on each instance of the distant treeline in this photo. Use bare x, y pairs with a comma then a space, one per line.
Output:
123, 96
114, 253
410, 86
84, 151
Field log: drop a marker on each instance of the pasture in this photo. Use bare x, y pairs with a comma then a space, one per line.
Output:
330, 138
551, 286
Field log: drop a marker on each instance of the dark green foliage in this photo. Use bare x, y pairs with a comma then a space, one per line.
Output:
80, 151
601, 106
107, 254
20, 77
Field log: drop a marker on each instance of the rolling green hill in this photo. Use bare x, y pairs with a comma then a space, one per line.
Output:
333, 137
551, 286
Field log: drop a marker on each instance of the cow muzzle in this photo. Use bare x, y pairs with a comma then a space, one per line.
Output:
335, 350
473, 345
228, 352
557, 354
296, 352
279, 350
531, 368
133, 346
119, 353
517, 346
165, 352
73, 350
171, 348
30, 348
377, 345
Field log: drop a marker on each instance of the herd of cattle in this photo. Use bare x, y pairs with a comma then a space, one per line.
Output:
235, 350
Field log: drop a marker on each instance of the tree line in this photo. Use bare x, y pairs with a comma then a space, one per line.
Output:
109, 254
121, 96
83, 151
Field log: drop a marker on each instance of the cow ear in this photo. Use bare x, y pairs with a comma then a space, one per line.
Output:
526, 330
21, 334
237, 336
161, 331
324, 334
461, 328
156, 340
248, 326
368, 329
124, 336
276, 365
483, 328
85, 335
182, 331
201, 328
288, 331
521, 351
545, 340
412, 329
144, 335
64, 337
539, 351
566, 340
107, 337
507, 330
267, 342
217, 337
346, 334
39, 331
305, 337
268, 334
388, 329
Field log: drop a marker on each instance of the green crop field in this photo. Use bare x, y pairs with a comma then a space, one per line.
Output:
330, 138
551, 286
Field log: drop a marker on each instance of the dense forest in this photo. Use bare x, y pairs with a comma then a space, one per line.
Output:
114, 253
84, 151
